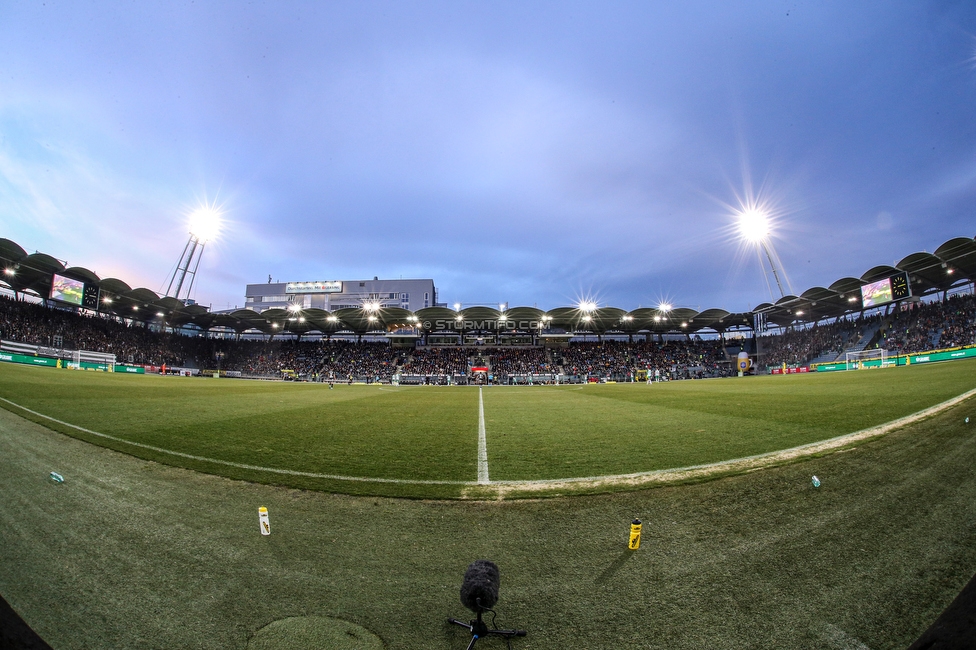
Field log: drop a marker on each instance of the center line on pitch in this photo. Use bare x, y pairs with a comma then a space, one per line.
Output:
482, 443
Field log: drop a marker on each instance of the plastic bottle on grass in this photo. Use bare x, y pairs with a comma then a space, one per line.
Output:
57, 478
635, 535
816, 482
263, 521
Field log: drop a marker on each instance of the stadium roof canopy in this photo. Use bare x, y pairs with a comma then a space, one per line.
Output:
952, 264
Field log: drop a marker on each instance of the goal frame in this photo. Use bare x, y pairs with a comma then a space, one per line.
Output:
856, 360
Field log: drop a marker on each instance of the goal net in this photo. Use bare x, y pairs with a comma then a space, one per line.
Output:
877, 358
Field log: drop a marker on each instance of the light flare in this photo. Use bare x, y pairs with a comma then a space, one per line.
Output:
205, 223
754, 225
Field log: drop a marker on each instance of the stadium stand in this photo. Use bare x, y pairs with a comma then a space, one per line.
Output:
820, 325
348, 360
911, 328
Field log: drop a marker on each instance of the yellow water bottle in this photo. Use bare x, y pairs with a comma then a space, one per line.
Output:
635, 532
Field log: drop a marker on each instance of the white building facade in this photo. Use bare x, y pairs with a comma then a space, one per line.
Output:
341, 294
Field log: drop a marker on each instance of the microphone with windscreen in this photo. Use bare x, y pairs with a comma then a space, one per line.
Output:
479, 593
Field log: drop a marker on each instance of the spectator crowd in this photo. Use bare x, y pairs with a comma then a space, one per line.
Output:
910, 327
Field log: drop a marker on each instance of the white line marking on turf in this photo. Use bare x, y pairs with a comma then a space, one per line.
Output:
813, 447
482, 442
228, 463
772, 456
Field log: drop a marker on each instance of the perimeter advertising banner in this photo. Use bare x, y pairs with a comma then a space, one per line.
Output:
940, 356
911, 359
59, 363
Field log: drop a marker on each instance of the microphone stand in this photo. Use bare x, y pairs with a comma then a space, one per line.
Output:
479, 628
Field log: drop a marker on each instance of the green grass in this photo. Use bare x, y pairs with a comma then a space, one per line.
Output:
132, 554
427, 436
618, 429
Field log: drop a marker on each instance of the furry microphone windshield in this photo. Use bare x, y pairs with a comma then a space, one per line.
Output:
479, 591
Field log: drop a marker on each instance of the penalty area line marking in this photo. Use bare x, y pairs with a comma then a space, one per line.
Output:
482, 442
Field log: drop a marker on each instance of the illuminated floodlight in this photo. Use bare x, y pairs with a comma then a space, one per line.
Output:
372, 319
755, 221
332, 319
587, 318
799, 312
160, 314
205, 223
627, 318
294, 308
371, 306
665, 307
753, 225
586, 306
9, 272
106, 300
657, 319
457, 306
301, 319
135, 308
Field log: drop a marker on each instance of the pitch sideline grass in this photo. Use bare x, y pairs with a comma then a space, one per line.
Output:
128, 553
430, 434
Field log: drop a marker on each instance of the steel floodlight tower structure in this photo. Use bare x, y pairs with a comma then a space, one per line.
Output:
754, 228
204, 226
762, 244
192, 253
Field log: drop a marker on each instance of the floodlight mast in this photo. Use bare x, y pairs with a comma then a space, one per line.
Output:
192, 253
754, 227
204, 225
769, 257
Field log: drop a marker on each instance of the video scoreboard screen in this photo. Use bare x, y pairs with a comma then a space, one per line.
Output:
74, 292
884, 291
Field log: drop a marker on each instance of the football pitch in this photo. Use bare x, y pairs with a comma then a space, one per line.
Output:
469, 442
128, 552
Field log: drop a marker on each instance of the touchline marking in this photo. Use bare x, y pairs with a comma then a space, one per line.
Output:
227, 463
746, 462
482, 442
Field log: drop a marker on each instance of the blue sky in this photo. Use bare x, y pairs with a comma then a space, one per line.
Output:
528, 153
